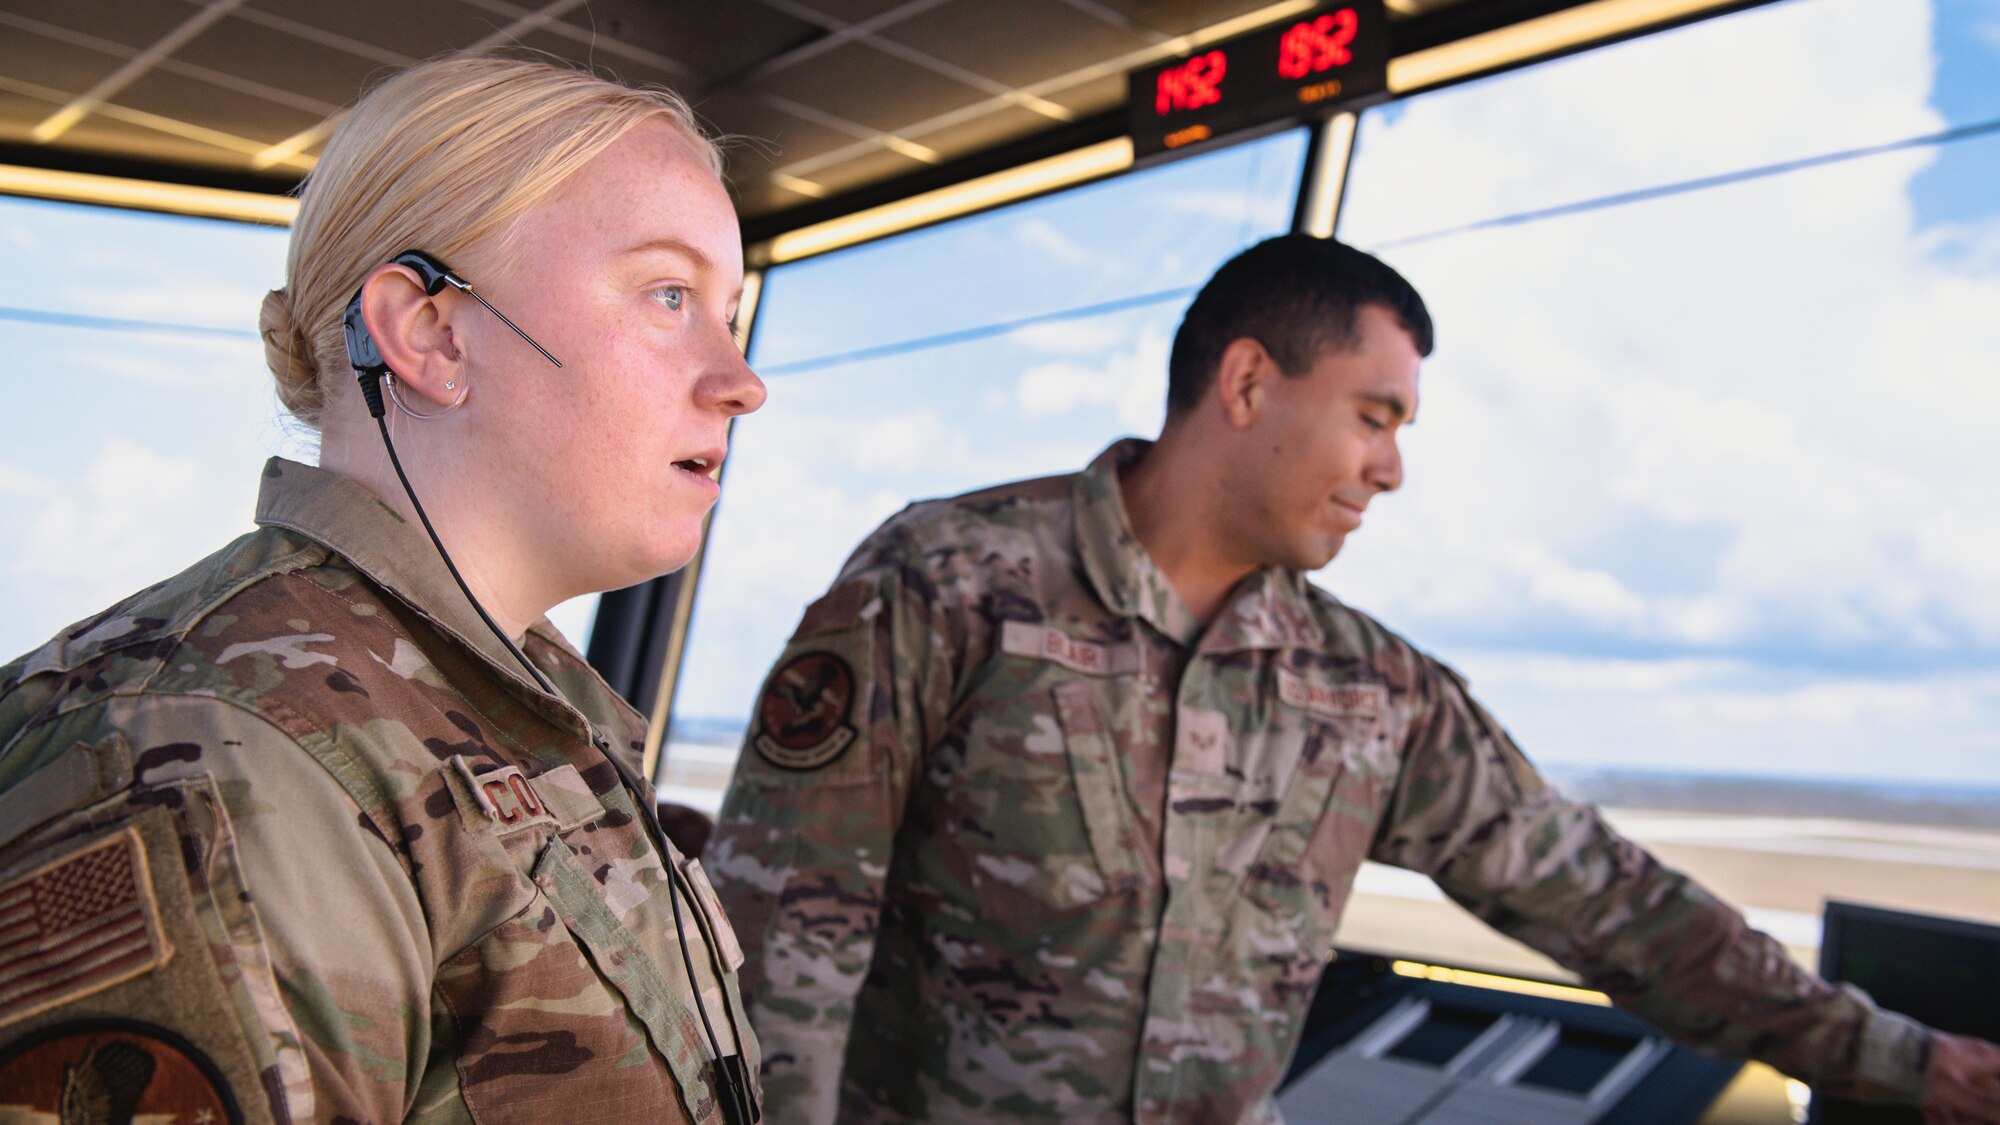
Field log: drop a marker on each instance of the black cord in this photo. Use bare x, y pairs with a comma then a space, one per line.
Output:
382, 422
726, 1078
731, 1078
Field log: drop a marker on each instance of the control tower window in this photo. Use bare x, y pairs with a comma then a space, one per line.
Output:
1700, 500
1009, 344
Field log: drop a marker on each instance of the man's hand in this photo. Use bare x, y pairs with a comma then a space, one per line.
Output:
1962, 1086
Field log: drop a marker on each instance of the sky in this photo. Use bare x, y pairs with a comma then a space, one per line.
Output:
128, 455
1700, 483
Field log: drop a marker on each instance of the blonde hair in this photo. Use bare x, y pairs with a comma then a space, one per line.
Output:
441, 157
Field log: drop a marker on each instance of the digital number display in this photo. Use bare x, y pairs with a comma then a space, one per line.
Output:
1308, 65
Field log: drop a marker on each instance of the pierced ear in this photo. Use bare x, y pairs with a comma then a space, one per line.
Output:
1241, 376
413, 331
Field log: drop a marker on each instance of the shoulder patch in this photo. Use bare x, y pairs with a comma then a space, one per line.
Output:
112, 1070
77, 925
802, 719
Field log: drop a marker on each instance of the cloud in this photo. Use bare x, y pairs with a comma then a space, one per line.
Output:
16, 481
1085, 336
127, 515
191, 363
901, 443
1043, 237
1988, 31
1252, 210
1787, 369
1707, 715
1131, 380
95, 529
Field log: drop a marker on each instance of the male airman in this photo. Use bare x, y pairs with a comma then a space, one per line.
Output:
1051, 806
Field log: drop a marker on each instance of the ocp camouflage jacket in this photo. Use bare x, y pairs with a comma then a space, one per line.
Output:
1015, 838
367, 870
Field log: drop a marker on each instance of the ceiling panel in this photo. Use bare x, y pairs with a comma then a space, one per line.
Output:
28, 57
1017, 44
189, 99
712, 40
830, 96
995, 127
137, 25
643, 70
852, 11
276, 58
1094, 96
19, 114
867, 168
1177, 17
856, 82
413, 30
764, 127
102, 133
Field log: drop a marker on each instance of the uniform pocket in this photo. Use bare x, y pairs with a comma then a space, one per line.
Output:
661, 1004
531, 1009
1283, 878
1045, 809
1100, 790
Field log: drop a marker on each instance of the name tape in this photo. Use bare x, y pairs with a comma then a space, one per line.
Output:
1092, 658
1335, 701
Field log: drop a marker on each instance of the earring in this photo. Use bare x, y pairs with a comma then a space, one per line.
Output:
397, 398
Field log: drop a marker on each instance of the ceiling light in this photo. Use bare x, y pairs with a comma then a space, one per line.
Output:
148, 195
1007, 186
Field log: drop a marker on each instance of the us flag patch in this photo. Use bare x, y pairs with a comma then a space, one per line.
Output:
78, 925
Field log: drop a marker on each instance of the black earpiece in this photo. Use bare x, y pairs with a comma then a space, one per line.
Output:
362, 353
366, 358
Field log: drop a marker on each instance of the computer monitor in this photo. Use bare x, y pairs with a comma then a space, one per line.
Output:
1943, 971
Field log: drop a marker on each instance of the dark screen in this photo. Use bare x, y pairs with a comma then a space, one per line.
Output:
1942, 971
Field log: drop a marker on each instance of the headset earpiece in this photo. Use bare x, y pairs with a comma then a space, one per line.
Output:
435, 274
362, 354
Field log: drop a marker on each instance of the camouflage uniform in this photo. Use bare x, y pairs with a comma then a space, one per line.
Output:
1015, 838
376, 874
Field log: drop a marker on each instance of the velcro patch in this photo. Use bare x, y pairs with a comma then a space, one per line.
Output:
1334, 701
505, 796
112, 1070
711, 908
1042, 642
802, 719
77, 925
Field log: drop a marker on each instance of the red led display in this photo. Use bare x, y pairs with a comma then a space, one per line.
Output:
1310, 65
1191, 85
1317, 44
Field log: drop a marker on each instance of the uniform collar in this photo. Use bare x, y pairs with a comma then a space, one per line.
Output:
1269, 609
352, 522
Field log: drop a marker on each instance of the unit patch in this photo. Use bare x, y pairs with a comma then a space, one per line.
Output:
802, 719
114, 1071
78, 924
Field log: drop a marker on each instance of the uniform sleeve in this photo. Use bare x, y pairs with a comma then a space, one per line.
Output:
298, 948
1469, 811
803, 843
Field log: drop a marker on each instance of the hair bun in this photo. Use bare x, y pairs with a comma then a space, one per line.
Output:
289, 356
